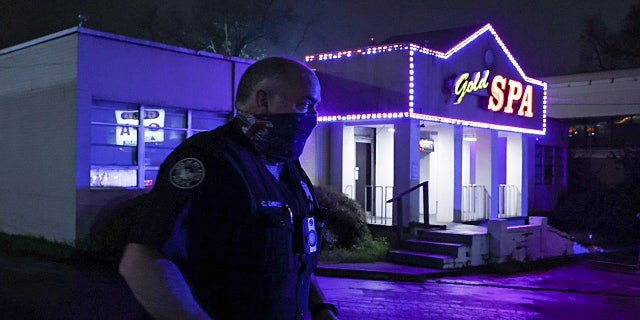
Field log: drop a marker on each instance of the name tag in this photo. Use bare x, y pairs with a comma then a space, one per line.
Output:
266, 203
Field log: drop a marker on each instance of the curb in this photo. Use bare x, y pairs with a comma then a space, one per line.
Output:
385, 271
367, 272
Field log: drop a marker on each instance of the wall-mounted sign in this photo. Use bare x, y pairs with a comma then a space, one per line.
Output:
516, 94
153, 121
427, 145
465, 83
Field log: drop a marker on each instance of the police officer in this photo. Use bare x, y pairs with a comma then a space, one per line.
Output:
230, 229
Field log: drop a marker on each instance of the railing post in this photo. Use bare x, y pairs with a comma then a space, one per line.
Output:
425, 202
398, 216
399, 223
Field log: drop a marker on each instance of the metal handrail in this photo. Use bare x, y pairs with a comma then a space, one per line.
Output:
407, 191
509, 203
476, 203
398, 212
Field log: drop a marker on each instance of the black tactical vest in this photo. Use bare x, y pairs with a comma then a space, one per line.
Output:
243, 255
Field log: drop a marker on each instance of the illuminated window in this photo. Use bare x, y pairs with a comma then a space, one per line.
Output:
117, 134
605, 132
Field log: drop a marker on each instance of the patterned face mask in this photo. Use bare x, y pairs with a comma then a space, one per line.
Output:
279, 137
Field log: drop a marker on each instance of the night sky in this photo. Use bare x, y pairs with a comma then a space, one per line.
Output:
543, 35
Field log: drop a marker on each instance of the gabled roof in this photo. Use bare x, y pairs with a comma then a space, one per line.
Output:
442, 44
440, 40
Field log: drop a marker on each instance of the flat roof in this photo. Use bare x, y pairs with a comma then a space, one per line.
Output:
107, 35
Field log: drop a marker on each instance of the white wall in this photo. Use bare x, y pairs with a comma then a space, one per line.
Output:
348, 161
594, 94
484, 159
384, 166
38, 134
514, 160
309, 160
466, 163
441, 186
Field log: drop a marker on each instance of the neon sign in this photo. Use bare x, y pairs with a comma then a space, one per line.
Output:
516, 94
463, 84
525, 98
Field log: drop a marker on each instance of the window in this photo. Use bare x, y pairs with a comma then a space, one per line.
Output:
127, 152
605, 132
549, 165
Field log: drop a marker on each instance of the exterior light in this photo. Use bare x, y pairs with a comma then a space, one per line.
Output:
469, 137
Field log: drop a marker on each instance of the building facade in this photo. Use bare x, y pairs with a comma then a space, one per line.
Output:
602, 112
71, 105
451, 108
452, 111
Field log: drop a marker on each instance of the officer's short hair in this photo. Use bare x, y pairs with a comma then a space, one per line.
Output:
269, 68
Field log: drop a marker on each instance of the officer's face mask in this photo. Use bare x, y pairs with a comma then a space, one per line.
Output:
279, 137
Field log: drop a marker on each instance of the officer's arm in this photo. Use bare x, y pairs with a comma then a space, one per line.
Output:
158, 284
316, 301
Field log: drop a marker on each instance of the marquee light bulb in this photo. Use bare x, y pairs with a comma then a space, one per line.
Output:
413, 49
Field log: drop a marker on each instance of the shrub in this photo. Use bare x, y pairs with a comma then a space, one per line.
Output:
346, 222
25, 245
369, 249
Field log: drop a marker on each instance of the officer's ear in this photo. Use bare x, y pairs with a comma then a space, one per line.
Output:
262, 102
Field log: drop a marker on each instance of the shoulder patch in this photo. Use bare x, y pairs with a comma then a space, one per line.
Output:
187, 173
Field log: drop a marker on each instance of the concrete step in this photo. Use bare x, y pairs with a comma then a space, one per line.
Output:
421, 259
445, 236
444, 248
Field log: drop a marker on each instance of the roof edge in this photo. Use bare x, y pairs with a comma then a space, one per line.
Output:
116, 37
39, 40
594, 75
159, 45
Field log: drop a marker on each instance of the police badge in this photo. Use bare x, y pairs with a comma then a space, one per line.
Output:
187, 173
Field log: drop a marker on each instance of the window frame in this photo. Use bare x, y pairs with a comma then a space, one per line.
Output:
141, 145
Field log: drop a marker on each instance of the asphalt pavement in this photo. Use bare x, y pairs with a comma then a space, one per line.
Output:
40, 288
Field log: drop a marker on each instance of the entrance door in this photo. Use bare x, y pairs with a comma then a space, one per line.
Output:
365, 150
364, 183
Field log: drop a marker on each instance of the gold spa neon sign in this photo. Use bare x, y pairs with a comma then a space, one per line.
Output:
466, 83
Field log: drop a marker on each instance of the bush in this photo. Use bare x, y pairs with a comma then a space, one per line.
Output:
26, 245
346, 222
369, 249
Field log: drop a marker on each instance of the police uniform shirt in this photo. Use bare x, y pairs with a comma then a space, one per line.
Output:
228, 224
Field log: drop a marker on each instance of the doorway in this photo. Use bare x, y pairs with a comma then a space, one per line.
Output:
364, 170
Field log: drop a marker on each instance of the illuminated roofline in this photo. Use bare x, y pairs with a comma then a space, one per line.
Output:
426, 117
413, 48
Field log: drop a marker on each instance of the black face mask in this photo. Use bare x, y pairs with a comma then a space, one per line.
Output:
279, 137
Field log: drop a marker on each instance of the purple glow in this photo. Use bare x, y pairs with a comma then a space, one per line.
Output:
412, 48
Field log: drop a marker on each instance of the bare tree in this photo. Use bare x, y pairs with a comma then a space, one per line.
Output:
233, 28
630, 35
603, 50
596, 42
244, 28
